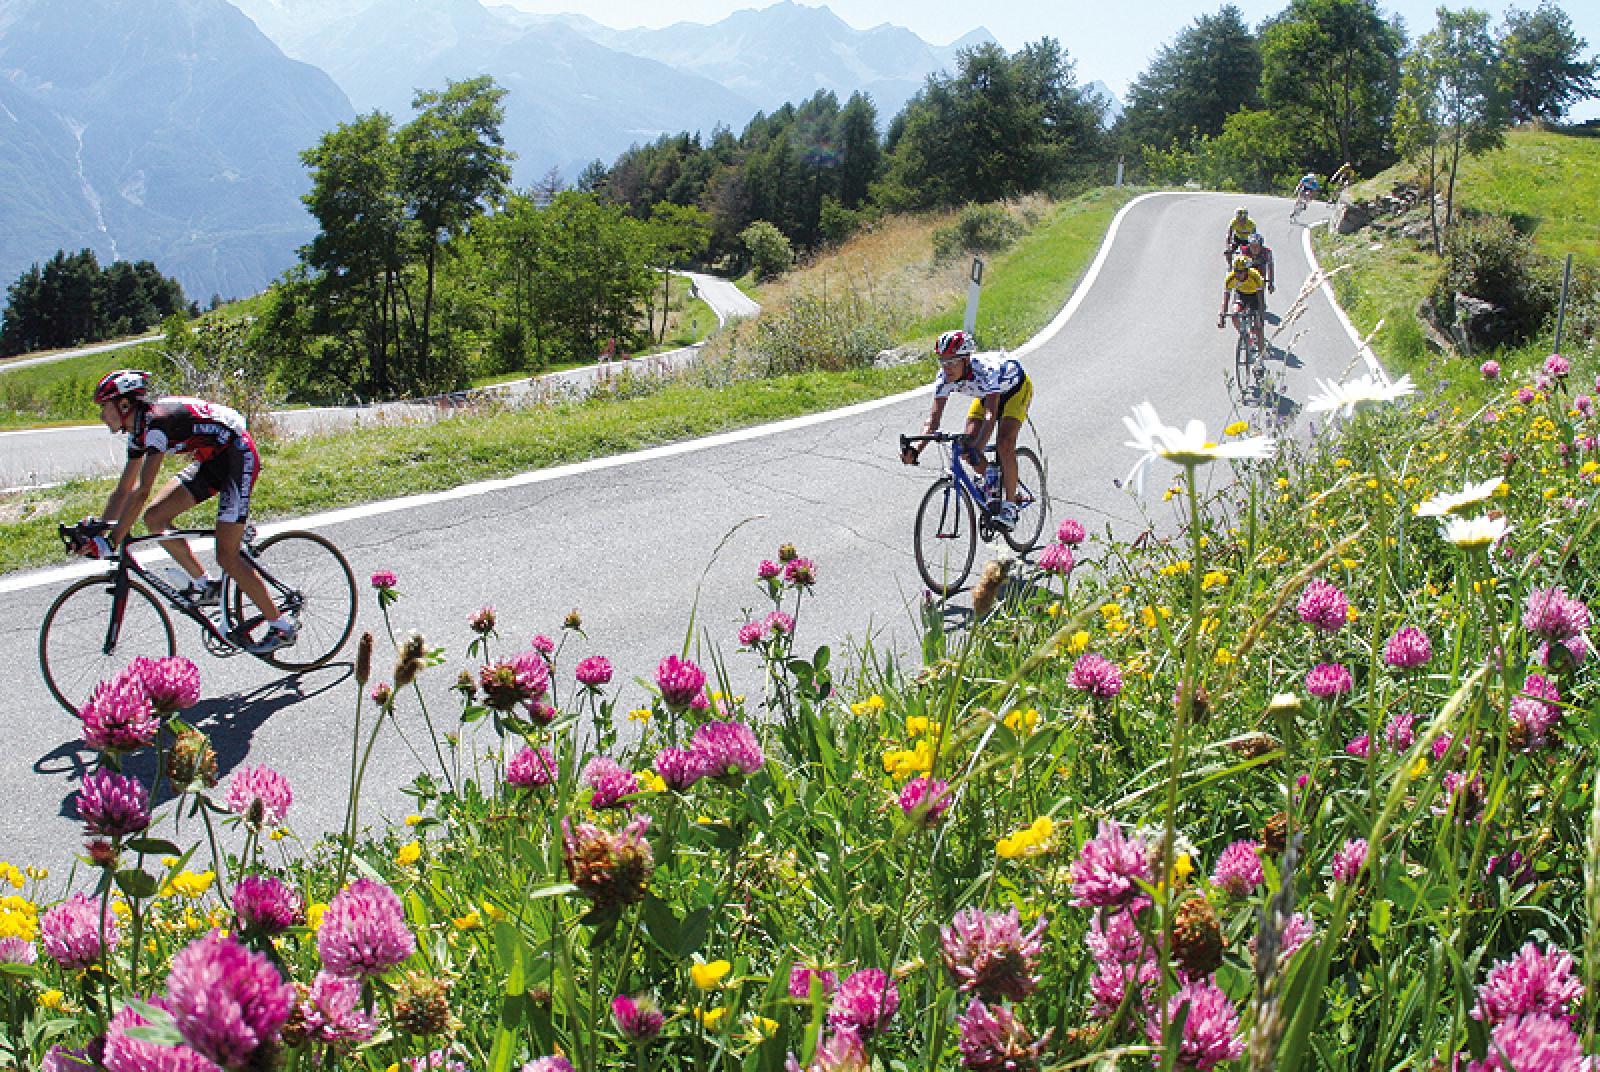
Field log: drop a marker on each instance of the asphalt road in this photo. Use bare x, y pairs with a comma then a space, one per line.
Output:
646, 546
45, 456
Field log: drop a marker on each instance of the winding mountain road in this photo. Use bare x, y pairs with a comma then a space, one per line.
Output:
640, 543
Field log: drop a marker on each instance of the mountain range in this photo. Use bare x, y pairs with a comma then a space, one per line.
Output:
166, 130
171, 130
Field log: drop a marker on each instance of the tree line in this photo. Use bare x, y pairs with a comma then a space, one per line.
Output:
70, 300
1325, 82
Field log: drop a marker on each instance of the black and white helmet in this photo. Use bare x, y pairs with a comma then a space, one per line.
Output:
122, 383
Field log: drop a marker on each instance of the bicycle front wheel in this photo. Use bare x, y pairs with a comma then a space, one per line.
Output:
311, 582
945, 536
80, 646
1033, 502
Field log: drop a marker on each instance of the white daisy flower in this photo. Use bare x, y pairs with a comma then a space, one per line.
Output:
1187, 446
1474, 532
1350, 396
1457, 501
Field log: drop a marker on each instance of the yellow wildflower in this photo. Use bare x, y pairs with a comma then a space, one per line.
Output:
1110, 611
9, 873
1223, 657
51, 999
413, 820
1079, 641
1236, 428
469, 922
917, 725
1031, 840
905, 762
639, 714
188, 884
495, 913
1214, 579
710, 1018
651, 782
409, 854
870, 705
1419, 767
1183, 867
709, 976
1147, 615
314, 915
1022, 722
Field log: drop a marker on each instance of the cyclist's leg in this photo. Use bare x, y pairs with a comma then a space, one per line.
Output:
230, 536
237, 479
174, 499
1013, 411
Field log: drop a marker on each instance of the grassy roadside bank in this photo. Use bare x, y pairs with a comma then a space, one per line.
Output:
1024, 289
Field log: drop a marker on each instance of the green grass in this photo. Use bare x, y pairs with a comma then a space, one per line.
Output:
362, 465
60, 392
1026, 285
1548, 183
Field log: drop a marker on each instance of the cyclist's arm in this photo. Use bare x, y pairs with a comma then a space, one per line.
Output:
131, 493
1227, 288
935, 414
1272, 271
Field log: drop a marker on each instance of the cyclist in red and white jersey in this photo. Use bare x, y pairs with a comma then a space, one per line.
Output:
225, 465
1001, 393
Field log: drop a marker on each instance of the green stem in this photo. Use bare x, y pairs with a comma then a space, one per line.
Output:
1178, 753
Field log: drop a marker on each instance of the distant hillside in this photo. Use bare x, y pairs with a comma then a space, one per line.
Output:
167, 131
788, 51
582, 91
571, 100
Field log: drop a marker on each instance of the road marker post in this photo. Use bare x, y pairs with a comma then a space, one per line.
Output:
974, 287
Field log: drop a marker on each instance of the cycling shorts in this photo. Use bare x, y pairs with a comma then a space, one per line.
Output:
1252, 300
1014, 403
230, 473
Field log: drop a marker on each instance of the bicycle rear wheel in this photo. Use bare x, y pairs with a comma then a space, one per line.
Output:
1033, 502
311, 582
76, 650
945, 536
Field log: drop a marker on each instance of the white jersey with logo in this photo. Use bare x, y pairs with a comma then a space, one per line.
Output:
988, 373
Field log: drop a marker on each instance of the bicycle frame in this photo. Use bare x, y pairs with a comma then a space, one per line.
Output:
127, 566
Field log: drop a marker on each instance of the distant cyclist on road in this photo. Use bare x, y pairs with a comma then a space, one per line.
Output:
1247, 283
1240, 228
1303, 191
1340, 179
225, 464
1001, 393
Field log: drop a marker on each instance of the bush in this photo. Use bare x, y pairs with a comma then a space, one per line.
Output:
770, 252
214, 360
819, 331
979, 229
1489, 259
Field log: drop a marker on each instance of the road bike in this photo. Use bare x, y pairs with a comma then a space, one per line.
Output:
955, 513
102, 623
1250, 350
1301, 200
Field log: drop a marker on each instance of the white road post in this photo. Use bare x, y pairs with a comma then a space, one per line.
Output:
974, 287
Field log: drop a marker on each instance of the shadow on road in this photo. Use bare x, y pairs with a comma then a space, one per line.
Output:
229, 721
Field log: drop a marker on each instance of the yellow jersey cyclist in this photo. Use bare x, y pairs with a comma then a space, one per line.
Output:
1248, 284
225, 465
1001, 393
1240, 228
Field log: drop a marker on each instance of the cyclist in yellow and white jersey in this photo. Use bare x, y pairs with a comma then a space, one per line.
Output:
1001, 393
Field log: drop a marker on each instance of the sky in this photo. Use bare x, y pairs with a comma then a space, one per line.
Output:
1112, 42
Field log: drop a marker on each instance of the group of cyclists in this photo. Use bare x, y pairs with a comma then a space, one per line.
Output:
1001, 390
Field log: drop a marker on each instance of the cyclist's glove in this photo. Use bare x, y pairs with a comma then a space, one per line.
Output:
98, 547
